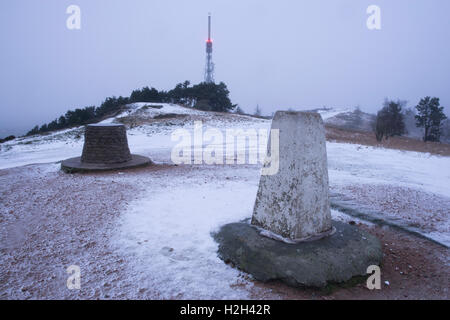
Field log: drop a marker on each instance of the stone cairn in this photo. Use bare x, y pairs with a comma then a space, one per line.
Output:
105, 148
292, 237
105, 144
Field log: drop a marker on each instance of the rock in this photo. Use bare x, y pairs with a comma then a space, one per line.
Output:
336, 258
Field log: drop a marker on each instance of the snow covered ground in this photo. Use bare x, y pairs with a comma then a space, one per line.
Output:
167, 234
163, 233
150, 139
349, 164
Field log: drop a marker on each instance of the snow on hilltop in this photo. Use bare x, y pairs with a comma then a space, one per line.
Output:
151, 110
148, 120
347, 118
328, 113
146, 234
149, 133
149, 126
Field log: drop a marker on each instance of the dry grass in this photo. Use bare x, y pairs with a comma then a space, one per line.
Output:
401, 143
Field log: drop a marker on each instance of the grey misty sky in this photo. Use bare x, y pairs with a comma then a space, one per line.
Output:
278, 54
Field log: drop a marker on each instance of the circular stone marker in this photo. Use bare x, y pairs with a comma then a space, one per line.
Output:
337, 258
73, 165
105, 148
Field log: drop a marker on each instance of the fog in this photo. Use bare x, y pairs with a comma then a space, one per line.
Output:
278, 54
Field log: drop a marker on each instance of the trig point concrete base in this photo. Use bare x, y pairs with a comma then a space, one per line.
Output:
291, 236
105, 148
333, 259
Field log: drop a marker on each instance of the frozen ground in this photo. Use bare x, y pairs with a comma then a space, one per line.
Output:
146, 233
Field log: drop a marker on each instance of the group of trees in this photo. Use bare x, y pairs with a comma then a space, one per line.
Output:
389, 121
430, 116
204, 96
82, 116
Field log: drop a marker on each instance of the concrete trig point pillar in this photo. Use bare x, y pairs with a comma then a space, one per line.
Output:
292, 207
294, 203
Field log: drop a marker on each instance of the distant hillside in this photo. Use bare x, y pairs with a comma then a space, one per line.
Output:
357, 120
347, 119
203, 96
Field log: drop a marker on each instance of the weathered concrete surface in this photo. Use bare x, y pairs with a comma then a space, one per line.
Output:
294, 203
336, 258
